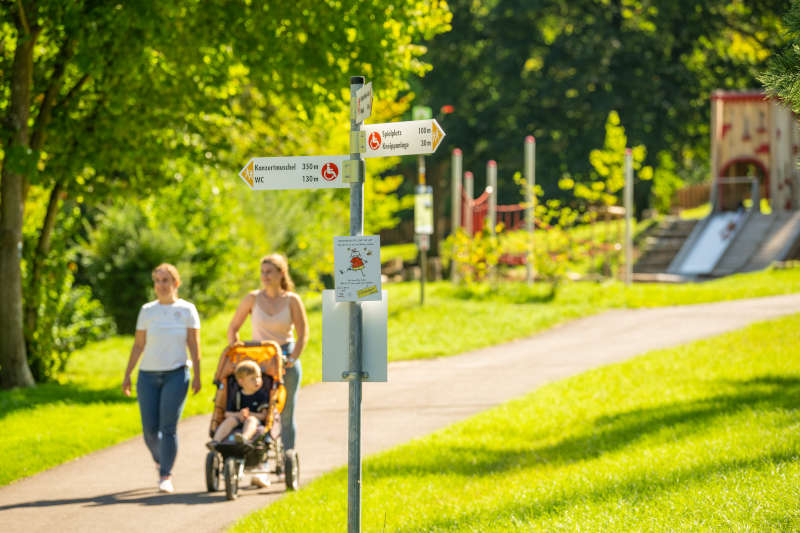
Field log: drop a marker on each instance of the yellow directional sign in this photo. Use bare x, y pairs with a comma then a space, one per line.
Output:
413, 137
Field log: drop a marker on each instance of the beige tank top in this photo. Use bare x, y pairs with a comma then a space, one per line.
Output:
277, 327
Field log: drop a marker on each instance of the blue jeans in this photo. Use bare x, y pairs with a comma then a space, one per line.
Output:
162, 396
291, 380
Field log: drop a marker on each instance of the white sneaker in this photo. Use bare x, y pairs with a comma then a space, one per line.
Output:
260, 480
165, 485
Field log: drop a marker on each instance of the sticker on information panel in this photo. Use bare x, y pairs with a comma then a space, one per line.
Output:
357, 268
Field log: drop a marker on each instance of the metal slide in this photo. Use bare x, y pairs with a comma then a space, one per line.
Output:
707, 248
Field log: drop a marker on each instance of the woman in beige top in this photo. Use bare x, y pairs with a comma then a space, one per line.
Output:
275, 310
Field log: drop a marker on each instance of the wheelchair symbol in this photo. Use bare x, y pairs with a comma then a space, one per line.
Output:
374, 140
330, 172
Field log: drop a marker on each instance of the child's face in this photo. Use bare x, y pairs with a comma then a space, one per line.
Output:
250, 384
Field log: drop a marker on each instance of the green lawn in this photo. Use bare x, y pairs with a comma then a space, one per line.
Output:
702, 437
86, 411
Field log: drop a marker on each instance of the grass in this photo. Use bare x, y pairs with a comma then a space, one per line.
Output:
702, 437
86, 411
702, 211
407, 252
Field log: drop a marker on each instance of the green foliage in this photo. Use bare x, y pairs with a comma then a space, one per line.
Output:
121, 91
556, 68
189, 224
781, 78
665, 183
69, 317
609, 166
475, 256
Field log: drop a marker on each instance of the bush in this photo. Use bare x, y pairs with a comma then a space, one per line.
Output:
186, 224
68, 317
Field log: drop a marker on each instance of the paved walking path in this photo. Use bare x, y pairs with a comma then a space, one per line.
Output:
114, 489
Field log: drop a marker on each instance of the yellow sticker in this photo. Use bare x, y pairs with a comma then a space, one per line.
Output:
367, 291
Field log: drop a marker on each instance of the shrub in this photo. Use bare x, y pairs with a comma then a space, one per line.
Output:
68, 317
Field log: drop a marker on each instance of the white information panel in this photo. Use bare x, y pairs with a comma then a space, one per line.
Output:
357, 268
336, 333
423, 210
363, 107
412, 137
295, 172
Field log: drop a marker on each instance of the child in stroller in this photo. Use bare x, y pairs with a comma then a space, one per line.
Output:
245, 427
247, 406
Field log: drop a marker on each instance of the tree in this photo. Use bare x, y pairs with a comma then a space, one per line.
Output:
95, 97
781, 78
556, 68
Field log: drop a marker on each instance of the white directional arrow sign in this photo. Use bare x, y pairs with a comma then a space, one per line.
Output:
295, 172
412, 137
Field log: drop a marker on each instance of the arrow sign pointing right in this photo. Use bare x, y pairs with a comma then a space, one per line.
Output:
413, 137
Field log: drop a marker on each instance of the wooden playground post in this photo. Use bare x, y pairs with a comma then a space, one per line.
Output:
468, 184
455, 206
491, 215
491, 188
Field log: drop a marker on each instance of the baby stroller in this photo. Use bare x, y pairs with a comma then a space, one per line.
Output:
265, 455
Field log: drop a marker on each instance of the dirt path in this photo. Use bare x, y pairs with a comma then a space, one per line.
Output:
114, 489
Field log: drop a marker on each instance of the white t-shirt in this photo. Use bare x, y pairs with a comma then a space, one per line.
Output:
165, 346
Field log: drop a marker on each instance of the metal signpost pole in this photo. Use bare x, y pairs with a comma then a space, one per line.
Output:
491, 188
354, 403
628, 215
530, 199
455, 207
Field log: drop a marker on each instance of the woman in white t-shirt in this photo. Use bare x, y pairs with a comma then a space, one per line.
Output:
164, 329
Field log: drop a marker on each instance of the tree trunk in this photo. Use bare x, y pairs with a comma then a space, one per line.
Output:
31, 305
14, 369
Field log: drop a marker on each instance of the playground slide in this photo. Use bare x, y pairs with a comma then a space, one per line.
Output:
709, 247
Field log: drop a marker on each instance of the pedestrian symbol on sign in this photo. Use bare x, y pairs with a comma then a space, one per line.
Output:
330, 171
374, 140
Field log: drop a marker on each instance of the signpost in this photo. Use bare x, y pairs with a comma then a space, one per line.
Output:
628, 200
423, 226
355, 374
530, 200
295, 172
358, 256
363, 104
423, 199
412, 137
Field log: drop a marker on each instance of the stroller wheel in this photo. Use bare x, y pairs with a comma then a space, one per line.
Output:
231, 472
213, 471
291, 464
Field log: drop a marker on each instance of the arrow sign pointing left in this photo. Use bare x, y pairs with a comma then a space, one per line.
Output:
295, 172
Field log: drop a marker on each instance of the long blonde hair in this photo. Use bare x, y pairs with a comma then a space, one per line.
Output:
280, 262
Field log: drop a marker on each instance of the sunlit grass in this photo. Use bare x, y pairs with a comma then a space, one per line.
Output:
701, 437
54, 423
407, 252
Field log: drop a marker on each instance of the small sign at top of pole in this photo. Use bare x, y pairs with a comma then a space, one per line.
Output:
363, 104
421, 112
